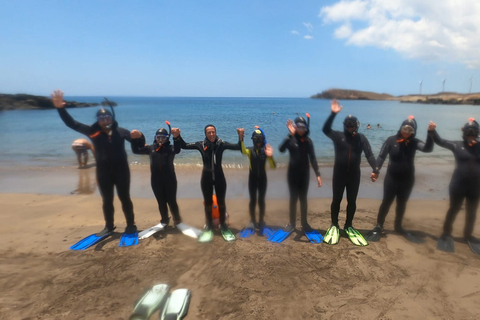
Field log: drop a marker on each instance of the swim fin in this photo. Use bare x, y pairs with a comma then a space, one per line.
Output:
189, 230
281, 234
356, 237
474, 245
92, 239
267, 232
150, 302
227, 234
445, 243
312, 235
248, 231
150, 231
375, 234
129, 237
411, 237
177, 305
332, 236
206, 235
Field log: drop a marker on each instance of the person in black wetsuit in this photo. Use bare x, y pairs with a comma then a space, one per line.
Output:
302, 155
400, 176
163, 179
211, 149
349, 146
112, 166
465, 183
257, 178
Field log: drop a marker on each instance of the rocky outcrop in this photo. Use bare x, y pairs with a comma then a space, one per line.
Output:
27, 101
345, 94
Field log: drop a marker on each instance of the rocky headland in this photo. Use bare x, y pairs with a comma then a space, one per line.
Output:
29, 102
438, 98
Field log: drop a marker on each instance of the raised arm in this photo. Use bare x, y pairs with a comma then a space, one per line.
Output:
138, 143
436, 138
57, 99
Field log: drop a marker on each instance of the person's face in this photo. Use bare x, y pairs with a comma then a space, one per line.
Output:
160, 138
471, 135
300, 129
406, 132
105, 121
258, 142
350, 126
211, 134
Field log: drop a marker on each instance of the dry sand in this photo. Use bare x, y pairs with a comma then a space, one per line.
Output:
250, 278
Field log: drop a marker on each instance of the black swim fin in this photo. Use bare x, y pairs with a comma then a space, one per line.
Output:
445, 243
474, 245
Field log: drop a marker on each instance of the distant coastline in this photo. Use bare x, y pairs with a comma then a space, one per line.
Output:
438, 98
32, 102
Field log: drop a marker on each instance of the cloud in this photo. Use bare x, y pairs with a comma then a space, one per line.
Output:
445, 30
308, 37
309, 26
295, 32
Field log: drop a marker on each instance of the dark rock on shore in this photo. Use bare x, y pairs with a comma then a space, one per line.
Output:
345, 94
32, 102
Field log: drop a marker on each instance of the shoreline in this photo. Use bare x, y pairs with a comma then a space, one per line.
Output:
431, 182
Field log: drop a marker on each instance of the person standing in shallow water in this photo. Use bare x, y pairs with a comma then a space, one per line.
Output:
213, 178
349, 146
400, 176
465, 184
112, 166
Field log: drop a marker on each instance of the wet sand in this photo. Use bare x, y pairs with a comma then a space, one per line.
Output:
45, 211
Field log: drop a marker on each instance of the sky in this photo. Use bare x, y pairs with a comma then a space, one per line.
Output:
248, 48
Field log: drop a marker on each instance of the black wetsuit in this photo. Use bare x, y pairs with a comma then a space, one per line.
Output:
257, 180
400, 176
112, 165
346, 171
212, 174
298, 176
465, 183
163, 178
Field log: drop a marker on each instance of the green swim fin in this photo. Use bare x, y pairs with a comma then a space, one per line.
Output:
356, 237
227, 235
150, 302
206, 236
332, 236
177, 305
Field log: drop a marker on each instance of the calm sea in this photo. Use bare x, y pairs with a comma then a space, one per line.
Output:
39, 137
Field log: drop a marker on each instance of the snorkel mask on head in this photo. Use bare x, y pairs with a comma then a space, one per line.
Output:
302, 124
471, 129
105, 111
161, 135
258, 136
351, 122
409, 126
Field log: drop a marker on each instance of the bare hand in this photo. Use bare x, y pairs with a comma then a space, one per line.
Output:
57, 99
291, 127
268, 150
175, 132
319, 181
135, 134
241, 133
336, 107
431, 126
374, 177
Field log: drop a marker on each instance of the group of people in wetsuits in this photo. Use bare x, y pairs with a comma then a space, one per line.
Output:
112, 170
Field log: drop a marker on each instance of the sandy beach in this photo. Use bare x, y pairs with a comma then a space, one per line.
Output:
45, 211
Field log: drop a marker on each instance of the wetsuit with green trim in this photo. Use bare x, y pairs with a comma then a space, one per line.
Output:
346, 170
465, 183
400, 176
302, 153
112, 165
212, 173
257, 179
163, 178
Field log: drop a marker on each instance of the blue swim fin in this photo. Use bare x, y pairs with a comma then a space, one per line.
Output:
129, 237
312, 235
267, 232
248, 231
92, 239
281, 234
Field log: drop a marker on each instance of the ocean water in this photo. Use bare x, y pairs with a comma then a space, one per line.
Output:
39, 137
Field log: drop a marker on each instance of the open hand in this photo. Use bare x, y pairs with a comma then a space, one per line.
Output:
336, 107
57, 99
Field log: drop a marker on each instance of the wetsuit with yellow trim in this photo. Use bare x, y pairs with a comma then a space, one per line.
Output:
212, 173
302, 155
163, 178
112, 165
465, 183
257, 179
346, 170
400, 176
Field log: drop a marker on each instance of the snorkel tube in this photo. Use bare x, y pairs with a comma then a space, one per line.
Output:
308, 121
169, 129
263, 134
113, 112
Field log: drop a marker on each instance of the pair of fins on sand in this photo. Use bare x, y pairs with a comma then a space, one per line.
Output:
332, 236
132, 238
172, 306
